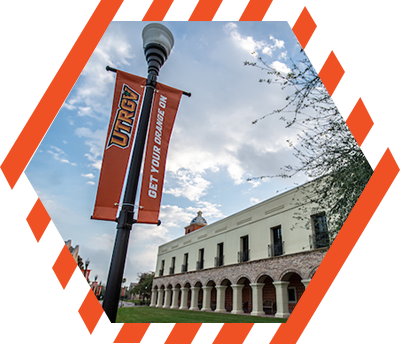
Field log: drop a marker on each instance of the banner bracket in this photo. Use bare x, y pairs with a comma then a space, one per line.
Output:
111, 69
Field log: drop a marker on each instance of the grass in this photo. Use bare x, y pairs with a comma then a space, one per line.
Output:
159, 315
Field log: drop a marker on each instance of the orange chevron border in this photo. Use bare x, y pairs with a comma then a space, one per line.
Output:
331, 74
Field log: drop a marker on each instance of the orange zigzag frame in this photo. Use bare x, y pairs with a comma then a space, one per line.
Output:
331, 73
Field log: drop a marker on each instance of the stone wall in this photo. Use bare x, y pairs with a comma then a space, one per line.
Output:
278, 268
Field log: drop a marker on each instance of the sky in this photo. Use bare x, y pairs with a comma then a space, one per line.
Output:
214, 147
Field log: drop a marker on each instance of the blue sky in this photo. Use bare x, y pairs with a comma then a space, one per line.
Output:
214, 146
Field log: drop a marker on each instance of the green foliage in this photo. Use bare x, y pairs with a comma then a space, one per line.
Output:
325, 148
143, 288
80, 263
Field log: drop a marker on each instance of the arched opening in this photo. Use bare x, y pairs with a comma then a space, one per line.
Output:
247, 295
169, 296
199, 303
268, 295
178, 286
295, 289
213, 295
155, 291
228, 295
162, 290
189, 297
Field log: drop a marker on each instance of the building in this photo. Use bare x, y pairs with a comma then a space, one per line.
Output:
73, 250
257, 261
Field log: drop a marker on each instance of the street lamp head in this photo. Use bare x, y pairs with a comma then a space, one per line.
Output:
87, 262
157, 44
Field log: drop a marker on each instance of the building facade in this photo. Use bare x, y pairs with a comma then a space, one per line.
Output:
257, 261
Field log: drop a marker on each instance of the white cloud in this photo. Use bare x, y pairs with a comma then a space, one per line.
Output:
88, 175
95, 82
280, 67
277, 43
209, 210
245, 42
267, 51
254, 201
59, 155
250, 44
85, 111
95, 141
283, 56
190, 185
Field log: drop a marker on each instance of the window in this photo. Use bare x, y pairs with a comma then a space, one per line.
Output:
161, 272
244, 254
219, 259
185, 262
292, 297
200, 262
277, 243
172, 268
320, 227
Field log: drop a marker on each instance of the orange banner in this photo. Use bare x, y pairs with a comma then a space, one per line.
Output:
120, 136
163, 113
99, 290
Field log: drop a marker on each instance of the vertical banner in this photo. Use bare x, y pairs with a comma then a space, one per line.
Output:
98, 292
120, 136
86, 273
94, 286
165, 106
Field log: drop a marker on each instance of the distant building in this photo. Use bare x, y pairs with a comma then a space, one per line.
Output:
73, 250
257, 261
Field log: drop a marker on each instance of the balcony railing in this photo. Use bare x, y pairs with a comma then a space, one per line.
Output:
244, 256
171, 270
184, 268
276, 249
219, 261
161, 272
200, 265
319, 240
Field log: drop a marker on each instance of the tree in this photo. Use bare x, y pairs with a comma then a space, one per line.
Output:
143, 288
325, 148
80, 263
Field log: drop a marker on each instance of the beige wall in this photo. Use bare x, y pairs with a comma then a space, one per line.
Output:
256, 222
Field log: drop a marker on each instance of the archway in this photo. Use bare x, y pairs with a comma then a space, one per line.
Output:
176, 296
247, 295
295, 289
228, 304
209, 296
200, 295
196, 298
167, 297
268, 295
185, 296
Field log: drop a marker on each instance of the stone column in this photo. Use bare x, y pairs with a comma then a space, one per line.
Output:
237, 307
153, 297
194, 302
206, 298
175, 298
220, 298
160, 297
257, 298
305, 282
282, 300
167, 299
184, 298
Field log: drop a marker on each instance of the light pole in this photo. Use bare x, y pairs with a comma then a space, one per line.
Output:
157, 43
87, 262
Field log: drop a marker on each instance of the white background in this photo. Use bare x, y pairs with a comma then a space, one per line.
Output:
36, 37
